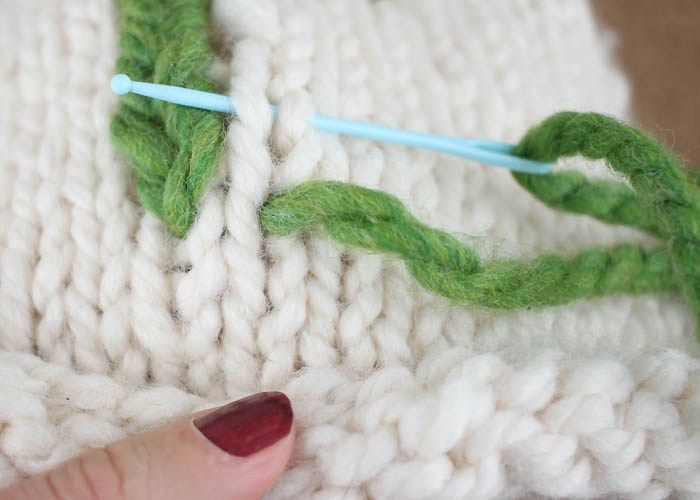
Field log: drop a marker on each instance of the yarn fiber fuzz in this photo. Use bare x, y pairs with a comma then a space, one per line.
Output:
109, 325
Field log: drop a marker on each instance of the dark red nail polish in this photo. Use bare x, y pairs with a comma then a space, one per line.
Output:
248, 425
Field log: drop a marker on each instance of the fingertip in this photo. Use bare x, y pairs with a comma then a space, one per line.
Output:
258, 473
237, 451
249, 425
250, 441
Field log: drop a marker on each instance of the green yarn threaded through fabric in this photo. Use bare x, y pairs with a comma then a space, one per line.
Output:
174, 150
661, 200
378, 222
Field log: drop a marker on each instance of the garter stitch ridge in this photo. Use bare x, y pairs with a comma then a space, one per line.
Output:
173, 149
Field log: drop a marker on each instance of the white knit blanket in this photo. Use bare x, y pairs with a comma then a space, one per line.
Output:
109, 326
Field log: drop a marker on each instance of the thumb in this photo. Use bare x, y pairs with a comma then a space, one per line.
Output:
234, 452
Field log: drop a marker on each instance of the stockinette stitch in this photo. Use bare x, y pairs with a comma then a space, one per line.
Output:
661, 199
109, 325
188, 165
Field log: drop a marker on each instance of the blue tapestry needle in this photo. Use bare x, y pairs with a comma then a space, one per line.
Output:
483, 151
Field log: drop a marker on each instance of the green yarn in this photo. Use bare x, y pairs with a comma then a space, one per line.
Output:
174, 152
666, 198
174, 149
378, 222
660, 200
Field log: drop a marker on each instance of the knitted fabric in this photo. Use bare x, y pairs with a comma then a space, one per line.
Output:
108, 325
661, 200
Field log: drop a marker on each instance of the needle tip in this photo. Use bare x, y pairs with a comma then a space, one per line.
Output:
120, 84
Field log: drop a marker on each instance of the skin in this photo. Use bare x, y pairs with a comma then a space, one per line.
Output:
173, 462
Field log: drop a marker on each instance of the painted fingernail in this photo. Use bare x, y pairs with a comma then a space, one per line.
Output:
248, 425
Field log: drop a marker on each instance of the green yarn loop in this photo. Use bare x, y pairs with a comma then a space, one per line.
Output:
661, 200
174, 149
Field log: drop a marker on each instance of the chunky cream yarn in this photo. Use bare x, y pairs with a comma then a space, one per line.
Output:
108, 325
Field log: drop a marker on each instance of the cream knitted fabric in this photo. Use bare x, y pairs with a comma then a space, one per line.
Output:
109, 326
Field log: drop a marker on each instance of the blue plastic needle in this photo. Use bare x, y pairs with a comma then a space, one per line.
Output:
483, 151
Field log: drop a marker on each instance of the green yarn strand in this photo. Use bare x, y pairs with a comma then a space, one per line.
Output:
660, 199
174, 150
663, 198
378, 222
150, 159
608, 201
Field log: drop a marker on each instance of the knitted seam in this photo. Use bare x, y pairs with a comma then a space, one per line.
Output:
174, 150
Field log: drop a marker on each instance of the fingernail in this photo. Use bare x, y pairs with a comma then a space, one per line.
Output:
248, 425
